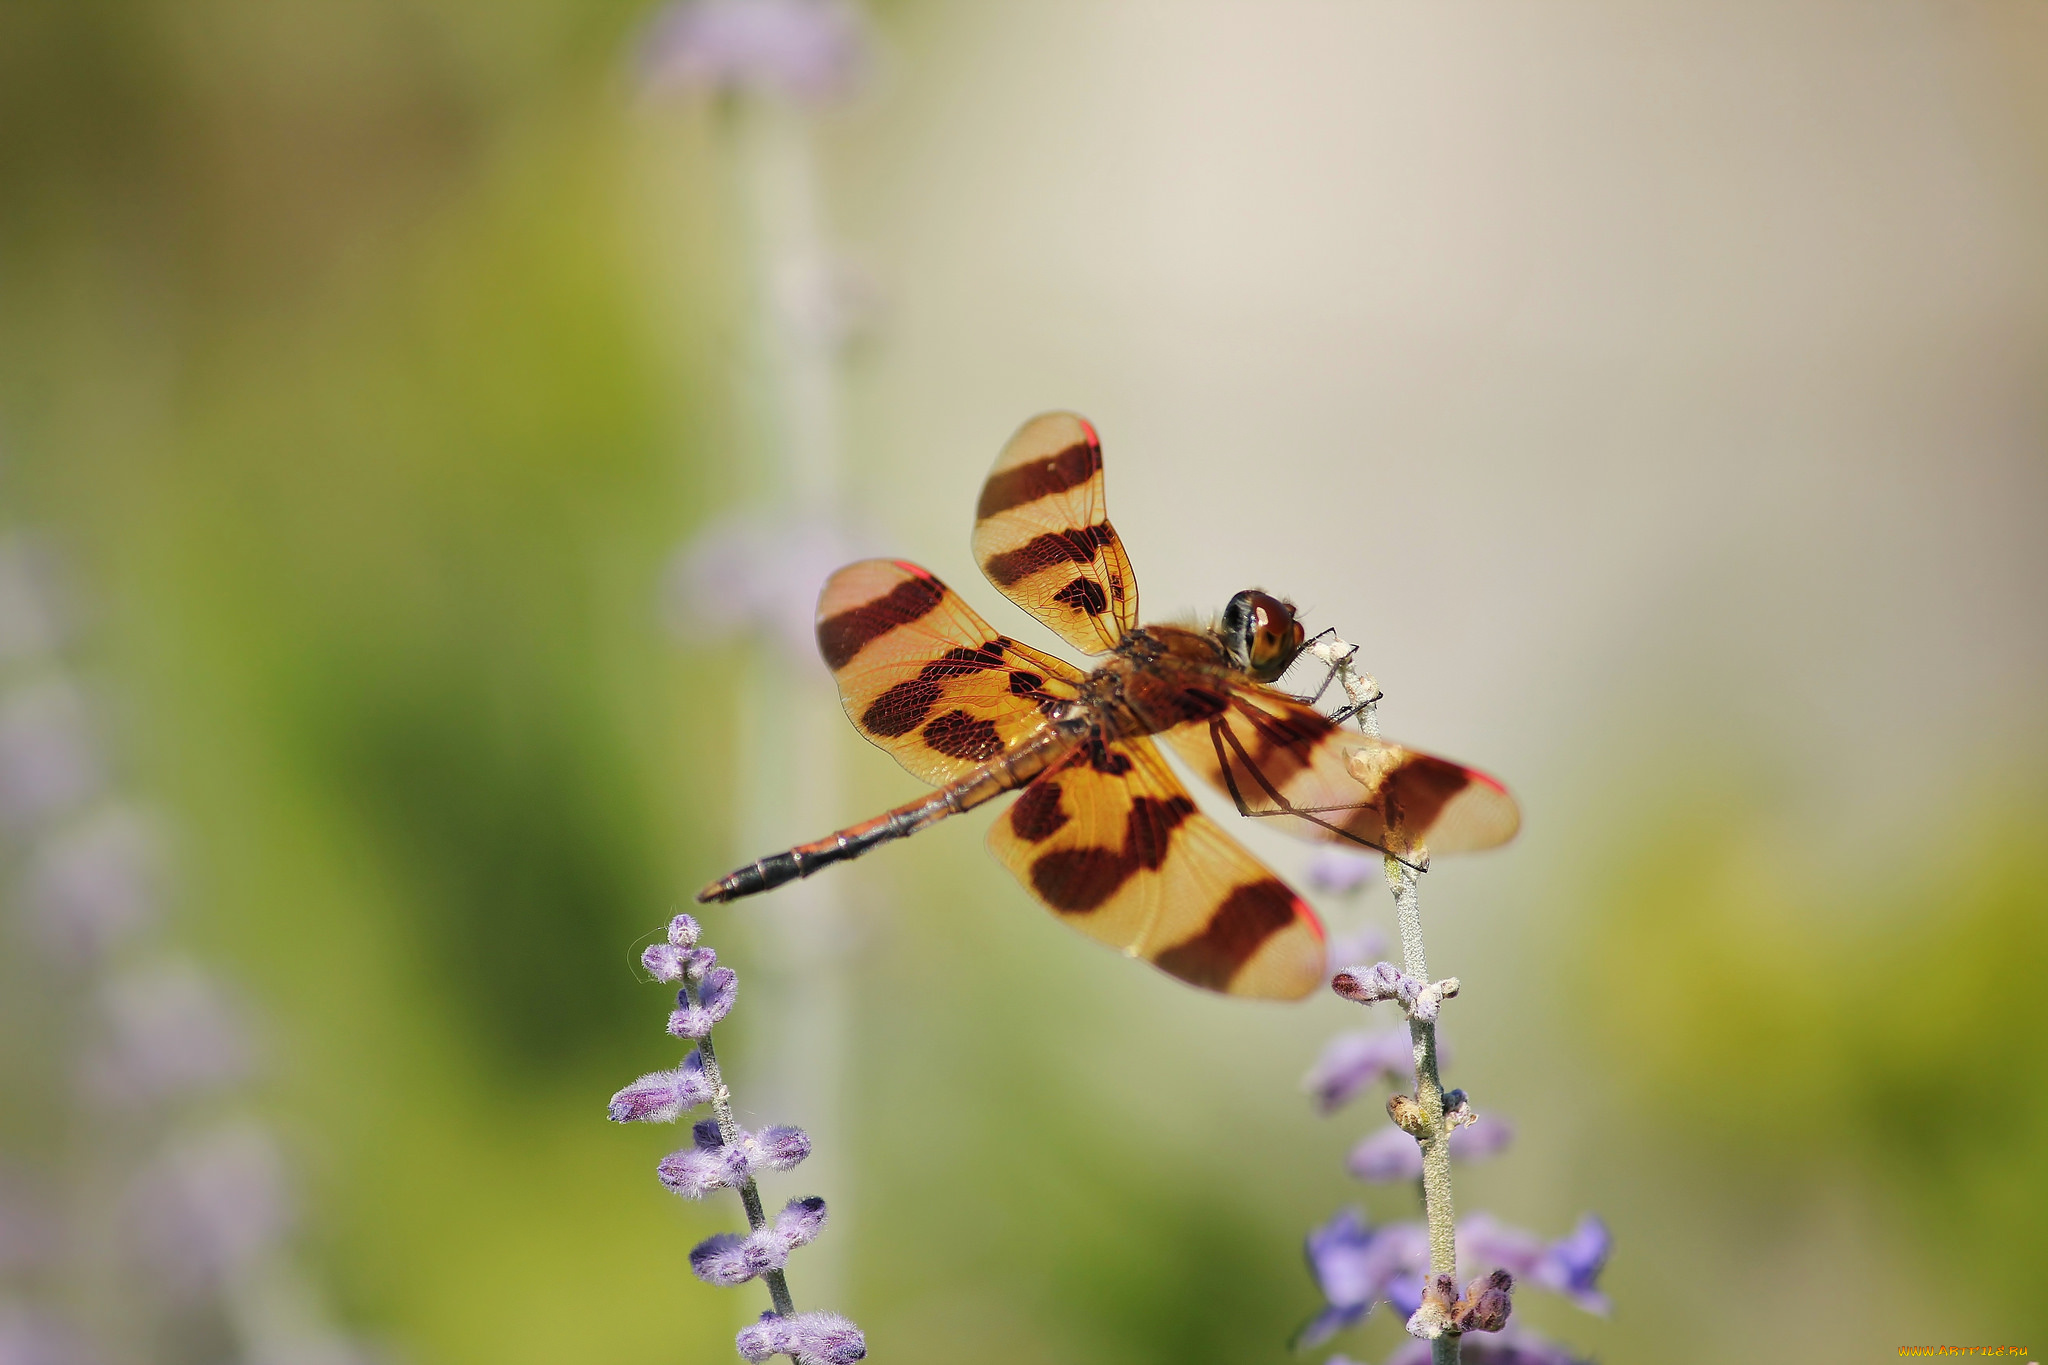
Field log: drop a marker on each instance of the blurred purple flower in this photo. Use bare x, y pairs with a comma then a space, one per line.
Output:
1353, 1265
208, 1206
663, 1096
169, 1031
27, 1338
749, 572
94, 884
1512, 1349
31, 622
1569, 1266
732, 1259
1339, 870
811, 1338
47, 761
27, 1229
809, 50
695, 1018
1351, 1062
1390, 1154
1360, 945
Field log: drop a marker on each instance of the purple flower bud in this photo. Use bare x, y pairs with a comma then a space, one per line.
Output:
663, 1096
811, 1338
698, 961
1353, 1061
663, 961
1485, 1304
1380, 981
694, 1019
723, 1260
782, 1148
801, 1220
697, 1171
682, 932
704, 1133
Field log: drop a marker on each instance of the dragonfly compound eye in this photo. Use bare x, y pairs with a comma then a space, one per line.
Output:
1261, 634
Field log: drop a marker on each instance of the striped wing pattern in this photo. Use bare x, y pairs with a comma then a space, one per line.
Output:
1277, 757
924, 677
1112, 843
1042, 534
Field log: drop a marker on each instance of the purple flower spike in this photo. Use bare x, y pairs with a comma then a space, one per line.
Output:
683, 932
663, 961
729, 1259
811, 1338
1351, 1062
663, 1096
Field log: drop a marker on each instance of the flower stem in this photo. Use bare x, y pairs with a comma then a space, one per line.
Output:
750, 1194
1364, 691
1429, 1095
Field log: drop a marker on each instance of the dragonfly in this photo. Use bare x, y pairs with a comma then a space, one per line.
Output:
1103, 833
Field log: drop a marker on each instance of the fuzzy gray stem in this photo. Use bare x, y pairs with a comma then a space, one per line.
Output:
750, 1194
1429, 1095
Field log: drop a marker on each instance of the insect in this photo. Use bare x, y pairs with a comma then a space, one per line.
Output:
1103, 833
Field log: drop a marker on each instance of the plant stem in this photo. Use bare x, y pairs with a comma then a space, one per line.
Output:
750, 1194
1429, 1095
1363, 689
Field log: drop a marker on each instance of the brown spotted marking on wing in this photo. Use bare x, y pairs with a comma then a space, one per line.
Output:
1042, 534
1277, 757
924, 677
1112, 842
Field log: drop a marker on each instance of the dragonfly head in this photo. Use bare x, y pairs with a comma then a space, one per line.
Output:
1261, 634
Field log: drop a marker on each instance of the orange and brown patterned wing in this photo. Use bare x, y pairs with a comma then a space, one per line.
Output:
1042, 534
926, 678
1275, 756
1111, 841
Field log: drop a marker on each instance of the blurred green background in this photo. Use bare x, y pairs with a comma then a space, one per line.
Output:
1656, 395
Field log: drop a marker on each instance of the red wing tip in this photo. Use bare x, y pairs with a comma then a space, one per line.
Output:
914, 570
1088, 427
1489, 779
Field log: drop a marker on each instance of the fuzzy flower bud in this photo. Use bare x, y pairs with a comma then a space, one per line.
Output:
731, 1259
710, 1165
683, 932
715, 994
1385, 981
663, 1096
663, 961
809, 1338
